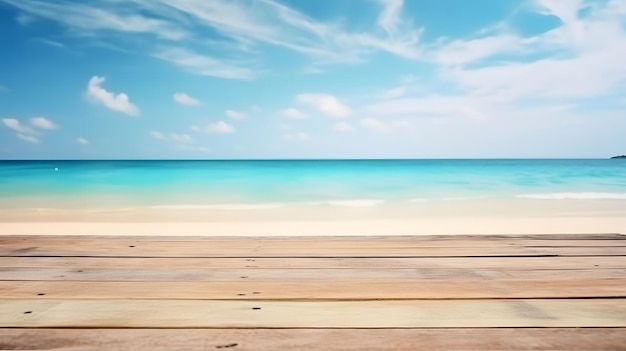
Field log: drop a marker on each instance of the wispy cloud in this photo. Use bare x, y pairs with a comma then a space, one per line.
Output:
172, 137
29, 132
49, 42
325, 103
390, 15
82, 141
293, 113
498, 73
17, 126
219, 127
203, 64
99, 16
43, 123
28, 138
236, 115
593, 45
270, 22
184, 99
180, 27
116, 102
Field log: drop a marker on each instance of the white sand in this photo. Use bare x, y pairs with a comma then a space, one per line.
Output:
461, 217
453, 225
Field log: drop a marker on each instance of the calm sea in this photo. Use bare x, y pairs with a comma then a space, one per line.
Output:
265, 184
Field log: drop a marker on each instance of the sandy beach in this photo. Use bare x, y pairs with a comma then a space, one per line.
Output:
294, 228
461, 217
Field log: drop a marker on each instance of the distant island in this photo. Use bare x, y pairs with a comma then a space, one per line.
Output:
620, 156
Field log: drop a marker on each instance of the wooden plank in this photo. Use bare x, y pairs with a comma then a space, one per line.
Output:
355, 274
317, 290
87, 243
514, 339
519, 263
129, 251
305, 238
317, 314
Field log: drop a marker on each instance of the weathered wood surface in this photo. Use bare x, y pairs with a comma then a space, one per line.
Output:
483, 292
516, 263
70, 249
479, 313
497, 339
418, 246
318, 290
305, 274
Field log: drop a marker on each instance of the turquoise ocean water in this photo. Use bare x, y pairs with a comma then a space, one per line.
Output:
264, 184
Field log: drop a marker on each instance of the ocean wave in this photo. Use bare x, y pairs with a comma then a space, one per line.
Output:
250, 206
575, 196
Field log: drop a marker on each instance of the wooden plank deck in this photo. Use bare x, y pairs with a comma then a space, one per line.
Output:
518, 292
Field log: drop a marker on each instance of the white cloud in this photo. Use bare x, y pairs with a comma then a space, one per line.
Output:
49, 42
293, 113
270, 22
422, 106
204, 65
119, 102
28, 138
235, 115
592, 45
219, 127
184, 99
466, 51
27, 132
343, 126
299, 136
98, 18
390, 16
172, 137
325, 103
395, 92
82, 141
43, 123
14, 124
164, 27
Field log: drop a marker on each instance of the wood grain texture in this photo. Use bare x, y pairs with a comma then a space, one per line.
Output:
517, 263
479, 292
315, 314
329, 238
320, 290
286, 243
527, 339
70, 250
424, 275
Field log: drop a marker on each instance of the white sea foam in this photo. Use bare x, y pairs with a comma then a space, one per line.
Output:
575, 196
234, 206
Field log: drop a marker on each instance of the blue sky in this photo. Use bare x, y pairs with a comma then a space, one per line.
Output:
312, 79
